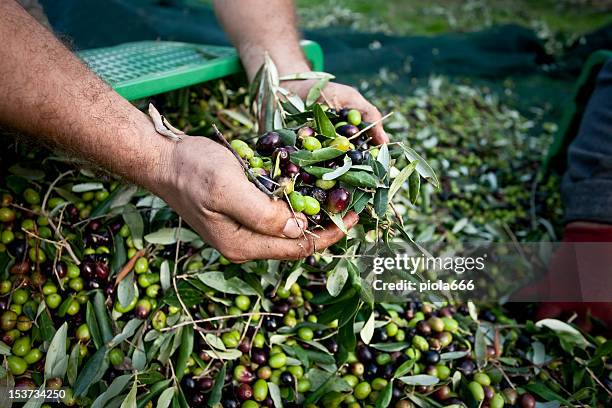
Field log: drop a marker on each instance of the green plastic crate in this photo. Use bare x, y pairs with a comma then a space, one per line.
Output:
141, 69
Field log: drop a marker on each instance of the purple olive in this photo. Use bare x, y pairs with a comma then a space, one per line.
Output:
267, 143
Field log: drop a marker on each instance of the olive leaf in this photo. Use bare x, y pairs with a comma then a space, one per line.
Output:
306, 158
5, 349
400, 179
315, 91
275, 394
165, 278
73, 364
420, 379
30, 174
168, 236
112, 391
307, 75
414, 186
383, 157
130, 400
92, 371
354, 178
56, 361
84, 187
127, 290
480, 347
324, 125
185, 349
127, 332
336, 218
165, 399
390, 347
381, 201
215, 394
339, 171
234, 285
337, 278
384, 399
367, 331
422, 167
134, 221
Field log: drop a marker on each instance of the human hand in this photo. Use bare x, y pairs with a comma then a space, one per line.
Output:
206, 185
343, 96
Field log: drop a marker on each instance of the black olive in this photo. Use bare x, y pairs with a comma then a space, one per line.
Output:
287, 379
430, 357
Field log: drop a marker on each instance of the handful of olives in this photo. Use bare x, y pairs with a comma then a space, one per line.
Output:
314, 169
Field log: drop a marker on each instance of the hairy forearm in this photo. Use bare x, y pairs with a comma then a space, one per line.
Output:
49, 94
259, 26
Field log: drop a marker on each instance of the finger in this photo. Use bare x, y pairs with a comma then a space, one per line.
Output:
253, 246
250, 207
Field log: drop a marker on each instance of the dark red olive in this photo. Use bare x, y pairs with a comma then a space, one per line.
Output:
245, 346
442, 393
348, 130
102, 271
267, 143
489, 392
424, 328
305, 131
259, 356
306, 178
61, 269
337, 200
332, 345
290, 170
115, 226
244, 392
205, 383
94, 225
25, 383
281, 154
281, 307
88, 269
527, 401
198, 400
20, 268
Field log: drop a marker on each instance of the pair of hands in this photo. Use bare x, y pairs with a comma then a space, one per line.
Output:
207, 187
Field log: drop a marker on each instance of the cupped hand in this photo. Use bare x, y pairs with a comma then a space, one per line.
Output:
206, 185
343, 96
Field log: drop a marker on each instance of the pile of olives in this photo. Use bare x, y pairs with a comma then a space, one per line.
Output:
303, 191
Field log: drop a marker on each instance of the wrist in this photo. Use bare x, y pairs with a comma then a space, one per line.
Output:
287, 62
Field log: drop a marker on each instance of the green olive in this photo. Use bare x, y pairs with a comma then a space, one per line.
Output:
73, 271
476, 390
242, 149
6, 214
325, 184
88, 196
159, 320
354, 117
17, 365
230, 340
49, 288
400, 336
297, 371
7, 237
297, 201
497, 401
53, 301
5, 287
142, 265
420, 343
8, 320
82, 333
20, 296
116, 356
305, 333
283, 293
24, 323
482, 379
249, 404
242, 302
303, 385
351, 380
31, 196
391, 329
383, 358
311, 206
442, 372
260, 390
311, 143
73, 308
21, 346
379, 383
33, 356
37, 255
341, 143
129, 307
362, 390
102, 195
436, 324
153, 291
124, 232
16, 308
450, 324
76, 284
278, 360
259, 341
256, 162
